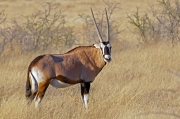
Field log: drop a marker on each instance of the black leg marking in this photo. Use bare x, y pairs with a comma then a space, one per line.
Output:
85, 87
82, 91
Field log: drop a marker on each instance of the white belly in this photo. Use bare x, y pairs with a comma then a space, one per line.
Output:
58, 84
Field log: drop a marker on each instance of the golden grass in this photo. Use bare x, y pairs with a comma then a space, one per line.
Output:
140, 83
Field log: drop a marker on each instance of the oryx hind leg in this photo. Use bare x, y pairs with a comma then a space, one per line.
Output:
85, 87
42, 86
34, 87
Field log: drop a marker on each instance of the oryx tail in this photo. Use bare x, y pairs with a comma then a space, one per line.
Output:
28, 85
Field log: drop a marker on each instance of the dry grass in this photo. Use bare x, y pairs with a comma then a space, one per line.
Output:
140, 83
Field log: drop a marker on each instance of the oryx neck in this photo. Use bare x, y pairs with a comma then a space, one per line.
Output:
99, 56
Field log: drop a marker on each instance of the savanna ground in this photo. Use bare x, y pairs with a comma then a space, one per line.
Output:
141, 82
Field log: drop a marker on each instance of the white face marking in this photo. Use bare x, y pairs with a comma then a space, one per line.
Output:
107, 61
102, 47
108, 45
59, 84
107, 57
86, 96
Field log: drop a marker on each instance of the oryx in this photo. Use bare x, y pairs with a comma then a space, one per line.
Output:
80, 65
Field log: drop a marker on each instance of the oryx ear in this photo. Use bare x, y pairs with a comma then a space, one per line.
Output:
97, 45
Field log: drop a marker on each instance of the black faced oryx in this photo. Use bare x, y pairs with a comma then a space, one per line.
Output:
80, 65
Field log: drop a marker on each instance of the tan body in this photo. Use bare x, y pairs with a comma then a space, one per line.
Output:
70, 68
79, 65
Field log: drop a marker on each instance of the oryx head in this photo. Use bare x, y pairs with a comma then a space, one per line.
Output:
104, 46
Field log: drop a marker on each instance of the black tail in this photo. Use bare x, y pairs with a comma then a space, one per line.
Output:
28, 85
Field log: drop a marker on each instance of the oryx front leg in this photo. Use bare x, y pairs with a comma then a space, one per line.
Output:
42, 86
85, 93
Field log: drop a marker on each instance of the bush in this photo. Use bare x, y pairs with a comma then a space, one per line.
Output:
47, 29
164, 25
40, 31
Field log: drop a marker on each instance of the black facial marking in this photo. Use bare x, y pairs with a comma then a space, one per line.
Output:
106, 49
105, 43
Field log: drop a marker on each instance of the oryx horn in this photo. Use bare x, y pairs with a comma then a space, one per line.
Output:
99, 35
108, 35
